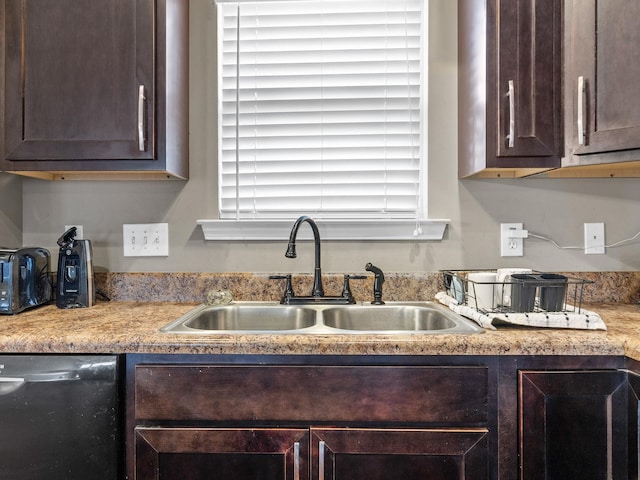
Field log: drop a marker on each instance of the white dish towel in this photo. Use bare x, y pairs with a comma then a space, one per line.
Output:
585, 320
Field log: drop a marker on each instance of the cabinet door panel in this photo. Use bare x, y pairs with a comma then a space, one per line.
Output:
634, 424
202, 454
509, 46
368, 454
604, 39
529, 57
74, 71
573, 424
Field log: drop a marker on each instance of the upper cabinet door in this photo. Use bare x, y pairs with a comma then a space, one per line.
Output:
529, 78
604, 66
80, 79
509, 87
94, 90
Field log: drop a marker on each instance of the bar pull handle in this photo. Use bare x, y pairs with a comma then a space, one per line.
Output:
321, 455
9, 385
296, 461
512, 115
581, 131
141, 130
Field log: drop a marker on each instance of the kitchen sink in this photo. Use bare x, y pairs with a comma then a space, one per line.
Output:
245, 316
388, 317
253, 317
272, 317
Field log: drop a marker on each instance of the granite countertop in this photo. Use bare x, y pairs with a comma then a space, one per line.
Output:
133, 327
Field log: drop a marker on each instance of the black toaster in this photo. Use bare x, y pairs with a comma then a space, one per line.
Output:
25, 278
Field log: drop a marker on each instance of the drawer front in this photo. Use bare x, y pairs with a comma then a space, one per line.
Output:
442, 395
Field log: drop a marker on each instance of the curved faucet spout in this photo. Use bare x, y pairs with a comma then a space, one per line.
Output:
318, 291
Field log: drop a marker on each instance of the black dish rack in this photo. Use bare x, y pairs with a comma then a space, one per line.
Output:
530, 292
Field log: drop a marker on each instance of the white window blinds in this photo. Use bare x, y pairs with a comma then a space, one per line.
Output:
320, 108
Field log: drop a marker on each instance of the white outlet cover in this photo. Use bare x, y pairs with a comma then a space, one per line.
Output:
146, 240
511, 246
594, 239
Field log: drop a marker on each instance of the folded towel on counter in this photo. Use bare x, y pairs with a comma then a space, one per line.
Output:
585, 320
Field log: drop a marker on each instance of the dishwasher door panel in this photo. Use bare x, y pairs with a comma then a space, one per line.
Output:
58, 417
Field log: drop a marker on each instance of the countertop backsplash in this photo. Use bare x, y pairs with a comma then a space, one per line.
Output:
608, 287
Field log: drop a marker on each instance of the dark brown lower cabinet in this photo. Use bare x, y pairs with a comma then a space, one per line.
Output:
299, 422
411, 418
575, 425
284, 453
633, 435
360, 454
235, 453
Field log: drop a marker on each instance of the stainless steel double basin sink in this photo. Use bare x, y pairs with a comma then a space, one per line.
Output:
272, 317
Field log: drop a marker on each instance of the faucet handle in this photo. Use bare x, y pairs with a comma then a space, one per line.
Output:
288, 288
346, 289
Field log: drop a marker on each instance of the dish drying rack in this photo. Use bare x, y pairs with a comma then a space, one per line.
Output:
531, 292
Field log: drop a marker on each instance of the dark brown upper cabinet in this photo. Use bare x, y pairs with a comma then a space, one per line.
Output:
96, 89
509, 87
602, 45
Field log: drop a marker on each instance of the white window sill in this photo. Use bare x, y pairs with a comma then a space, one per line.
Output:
380, 230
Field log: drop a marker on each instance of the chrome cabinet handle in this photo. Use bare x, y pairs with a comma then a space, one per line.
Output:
296, 461
581, 132
512, 115
321, 450
141, 136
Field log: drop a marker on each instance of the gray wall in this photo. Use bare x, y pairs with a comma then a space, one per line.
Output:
552, 207
10, 210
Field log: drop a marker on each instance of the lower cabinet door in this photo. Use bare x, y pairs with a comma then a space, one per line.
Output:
376, 454
208, 453
574, 424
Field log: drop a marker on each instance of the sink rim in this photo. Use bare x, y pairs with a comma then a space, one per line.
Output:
462, 326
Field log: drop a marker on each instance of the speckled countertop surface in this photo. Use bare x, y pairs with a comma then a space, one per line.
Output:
127, 327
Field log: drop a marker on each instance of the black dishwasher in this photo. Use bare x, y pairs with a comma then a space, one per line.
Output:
58, 417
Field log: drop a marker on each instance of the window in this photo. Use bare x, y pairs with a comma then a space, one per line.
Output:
321, 113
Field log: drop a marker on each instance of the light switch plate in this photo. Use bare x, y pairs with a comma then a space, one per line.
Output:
594, 239
146, 240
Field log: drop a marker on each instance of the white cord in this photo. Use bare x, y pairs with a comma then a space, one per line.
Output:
535, 235
616, 244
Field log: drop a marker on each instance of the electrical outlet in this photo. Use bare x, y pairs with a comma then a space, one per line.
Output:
512, 237
79, 230
594, 239
146, 240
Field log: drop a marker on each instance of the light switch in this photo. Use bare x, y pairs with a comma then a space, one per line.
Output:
146, 240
